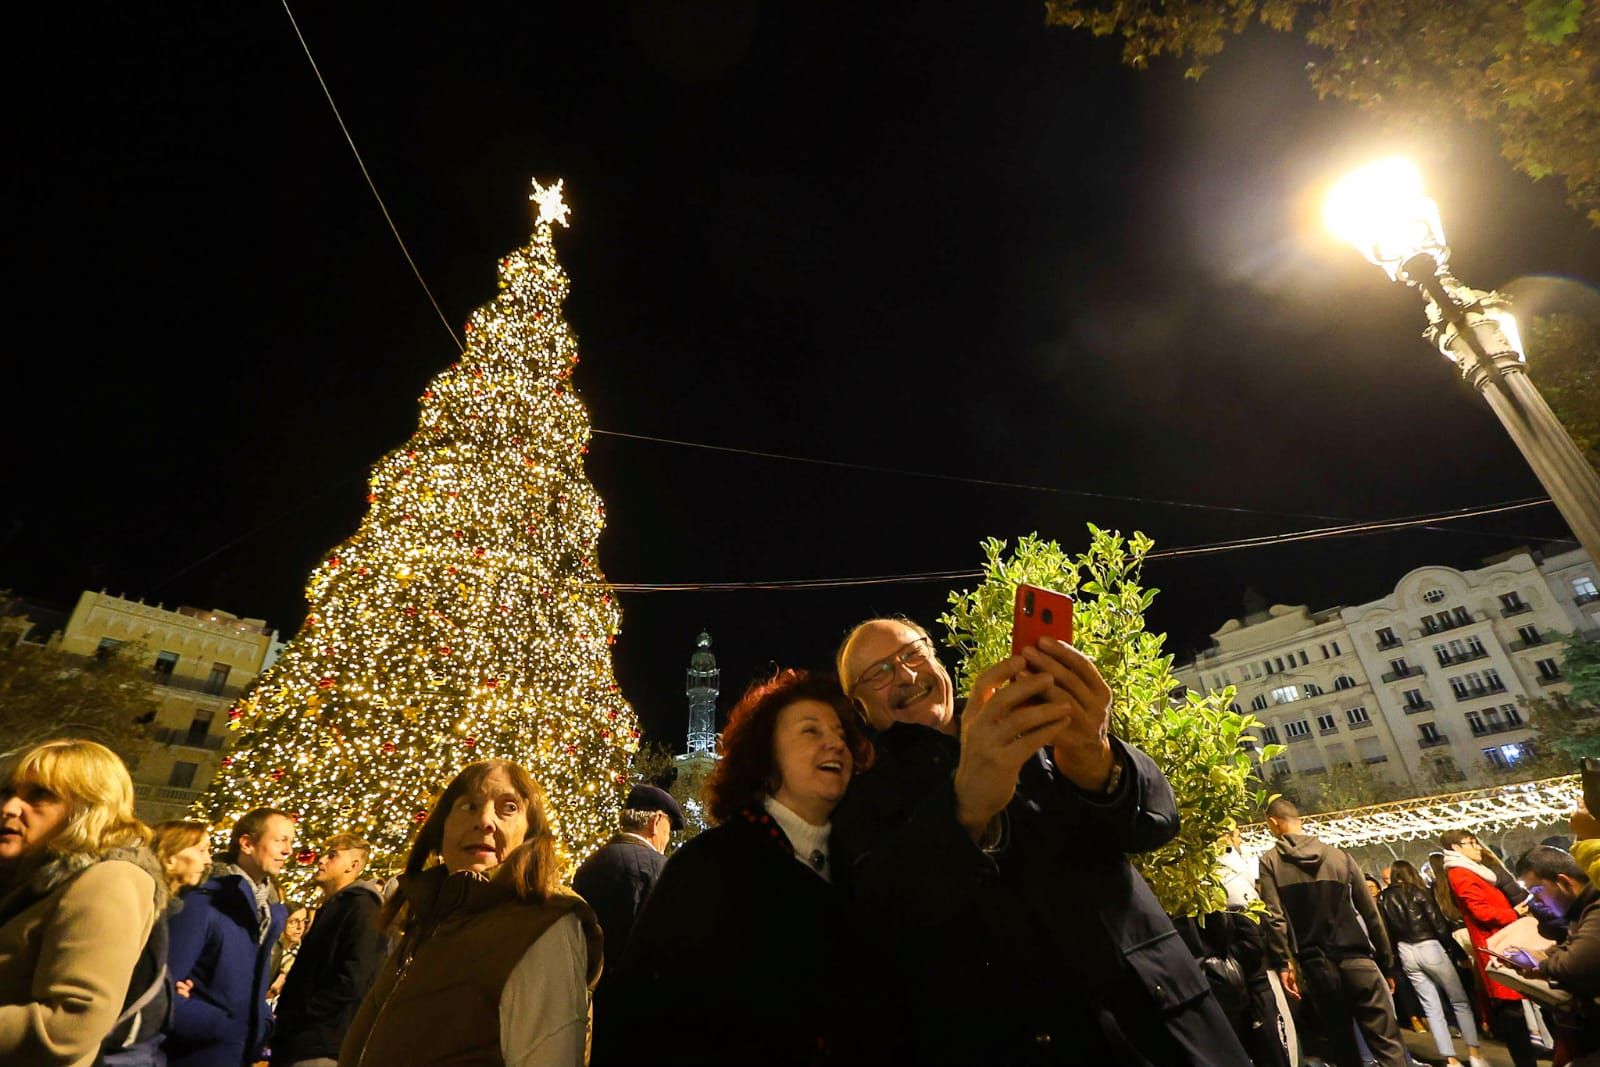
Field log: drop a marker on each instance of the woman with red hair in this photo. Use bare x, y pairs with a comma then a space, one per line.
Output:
745, 920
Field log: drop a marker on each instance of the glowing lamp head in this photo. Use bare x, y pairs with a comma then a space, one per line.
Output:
1382, 210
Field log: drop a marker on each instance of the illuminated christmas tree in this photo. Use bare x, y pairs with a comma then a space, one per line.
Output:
467, 617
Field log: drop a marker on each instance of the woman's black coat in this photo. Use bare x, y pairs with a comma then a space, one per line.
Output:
744, 955
1049, 948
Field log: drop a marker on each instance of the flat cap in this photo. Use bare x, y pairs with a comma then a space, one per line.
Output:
652, 798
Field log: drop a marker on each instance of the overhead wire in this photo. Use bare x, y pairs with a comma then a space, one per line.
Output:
1347, 527
349, 140
1181, 552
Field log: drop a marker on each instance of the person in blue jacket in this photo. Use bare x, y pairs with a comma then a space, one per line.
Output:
221, 945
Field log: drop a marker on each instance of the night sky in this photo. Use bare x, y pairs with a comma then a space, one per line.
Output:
938, 237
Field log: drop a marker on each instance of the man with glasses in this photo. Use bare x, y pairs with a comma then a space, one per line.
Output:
988, 843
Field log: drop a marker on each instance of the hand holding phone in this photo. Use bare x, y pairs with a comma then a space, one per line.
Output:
1039, 612
1516, 957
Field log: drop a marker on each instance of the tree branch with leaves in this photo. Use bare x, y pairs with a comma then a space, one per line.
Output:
1200, 743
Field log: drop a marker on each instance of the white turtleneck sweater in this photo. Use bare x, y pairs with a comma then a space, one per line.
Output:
810, 842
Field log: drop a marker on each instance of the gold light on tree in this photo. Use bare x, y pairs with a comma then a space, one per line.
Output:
466, 618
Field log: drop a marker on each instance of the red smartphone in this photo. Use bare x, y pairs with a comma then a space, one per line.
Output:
1039, 612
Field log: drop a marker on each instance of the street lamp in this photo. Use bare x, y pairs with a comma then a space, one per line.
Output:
1383, 211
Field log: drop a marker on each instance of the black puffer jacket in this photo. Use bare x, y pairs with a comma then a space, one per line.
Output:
1411, 915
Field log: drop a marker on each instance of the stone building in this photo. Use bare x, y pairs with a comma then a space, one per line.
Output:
1427, 684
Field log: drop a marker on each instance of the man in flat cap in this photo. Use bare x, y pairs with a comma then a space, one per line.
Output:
616, 881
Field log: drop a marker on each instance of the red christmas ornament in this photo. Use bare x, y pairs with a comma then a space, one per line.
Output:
491, 683
326, 683
361, 571
305, 857
420, 816
427, 394
411, 612
572, 749
277, 774
333, 561
444, 650
612, 714
388, 748
634, 734
480, 552
467, 328
605, 735
227, 761
372, 498
235, 714
471, 742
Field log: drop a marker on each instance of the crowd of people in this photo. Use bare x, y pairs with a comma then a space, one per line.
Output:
893, 876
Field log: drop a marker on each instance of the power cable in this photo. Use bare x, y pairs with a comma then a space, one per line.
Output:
1182, 552
326, 92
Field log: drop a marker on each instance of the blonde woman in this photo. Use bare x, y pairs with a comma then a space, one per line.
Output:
184, 851
80, 897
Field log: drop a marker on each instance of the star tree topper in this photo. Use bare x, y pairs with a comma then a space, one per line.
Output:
552, 208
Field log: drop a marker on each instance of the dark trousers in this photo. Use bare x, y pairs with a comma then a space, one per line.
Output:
1511, 1026
1264, 1036
1346, 991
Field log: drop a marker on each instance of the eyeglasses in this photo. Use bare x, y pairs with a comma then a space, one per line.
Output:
878, 676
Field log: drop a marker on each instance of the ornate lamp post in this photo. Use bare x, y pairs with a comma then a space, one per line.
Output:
1382, 210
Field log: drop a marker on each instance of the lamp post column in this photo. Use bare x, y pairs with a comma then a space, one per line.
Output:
1463, 327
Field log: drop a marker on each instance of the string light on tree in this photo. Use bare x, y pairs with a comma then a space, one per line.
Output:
467, 617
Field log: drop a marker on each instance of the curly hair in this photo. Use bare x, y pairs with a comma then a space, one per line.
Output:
748, 765
94, 783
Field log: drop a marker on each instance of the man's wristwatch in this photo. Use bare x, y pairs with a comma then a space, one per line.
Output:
1116, 774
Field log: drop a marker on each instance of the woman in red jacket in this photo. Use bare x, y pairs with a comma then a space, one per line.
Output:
1485, 909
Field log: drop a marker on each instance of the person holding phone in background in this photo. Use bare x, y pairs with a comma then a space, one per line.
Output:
1559, 881
988, 844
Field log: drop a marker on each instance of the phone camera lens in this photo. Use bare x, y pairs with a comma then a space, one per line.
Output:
1048, 616
1027, 603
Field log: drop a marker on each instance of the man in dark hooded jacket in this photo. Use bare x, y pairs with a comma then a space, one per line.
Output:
337, 961
1337, 939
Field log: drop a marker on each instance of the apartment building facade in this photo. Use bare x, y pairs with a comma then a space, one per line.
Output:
201, 661
1425, 684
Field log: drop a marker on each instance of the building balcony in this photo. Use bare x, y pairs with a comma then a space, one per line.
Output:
165, 794
1519, 609
1326, 730
1481, 691
168, 735
1447, 660
1409, 672
1434, 626
1385, 644
1295, 739
197, 685
1376, 759
1497, 728
1412, 709
1433, 742
1551, 679
1585, 598
1521, 643
1367, 724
